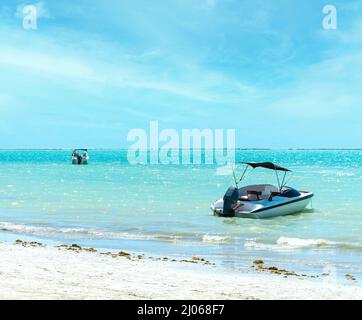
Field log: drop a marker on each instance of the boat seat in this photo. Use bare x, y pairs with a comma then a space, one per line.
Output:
255, 195
247, 193
251, 196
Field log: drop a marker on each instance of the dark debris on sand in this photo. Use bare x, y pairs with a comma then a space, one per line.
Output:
133, 257
350, 277
260, 266
29, 244
75, 247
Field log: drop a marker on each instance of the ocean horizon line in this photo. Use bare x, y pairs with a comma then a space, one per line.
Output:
239, 148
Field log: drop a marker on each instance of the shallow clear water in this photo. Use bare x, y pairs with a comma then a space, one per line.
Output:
164, 209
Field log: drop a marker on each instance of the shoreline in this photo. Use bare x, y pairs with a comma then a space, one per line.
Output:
32, 270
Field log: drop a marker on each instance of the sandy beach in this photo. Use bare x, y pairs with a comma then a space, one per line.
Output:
35, 271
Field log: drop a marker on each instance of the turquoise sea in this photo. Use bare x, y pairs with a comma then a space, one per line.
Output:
164, 209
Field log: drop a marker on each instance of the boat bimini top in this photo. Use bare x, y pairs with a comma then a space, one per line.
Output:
267, 165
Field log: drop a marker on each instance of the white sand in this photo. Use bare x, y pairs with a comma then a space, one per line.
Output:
50, 273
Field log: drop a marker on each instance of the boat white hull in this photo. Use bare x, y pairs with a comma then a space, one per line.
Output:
283, 210
269, 209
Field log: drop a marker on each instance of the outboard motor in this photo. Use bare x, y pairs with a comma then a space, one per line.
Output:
230, 198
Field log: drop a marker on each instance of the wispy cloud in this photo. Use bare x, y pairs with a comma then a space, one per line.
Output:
324, 90
130, 70
41, 64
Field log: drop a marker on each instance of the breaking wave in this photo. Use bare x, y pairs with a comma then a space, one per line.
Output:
303, 243
91, 233
80, 233
216, 238
286, 243
282, 243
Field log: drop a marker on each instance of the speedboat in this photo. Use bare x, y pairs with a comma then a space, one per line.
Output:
261, 200
80, 156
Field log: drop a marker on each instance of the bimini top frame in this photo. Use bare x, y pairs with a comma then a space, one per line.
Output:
266, 165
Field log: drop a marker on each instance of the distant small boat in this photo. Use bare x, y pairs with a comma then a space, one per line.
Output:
263, 200
80, 156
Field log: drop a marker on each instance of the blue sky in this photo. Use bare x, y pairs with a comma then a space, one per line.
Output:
93, 70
